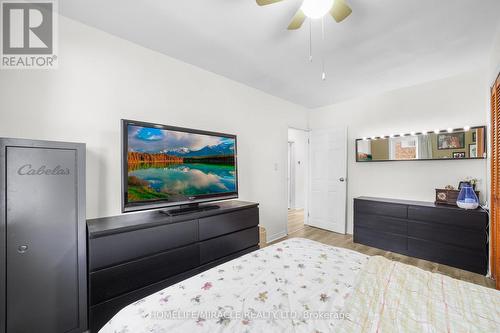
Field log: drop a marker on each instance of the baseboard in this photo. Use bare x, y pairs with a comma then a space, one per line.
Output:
272, 238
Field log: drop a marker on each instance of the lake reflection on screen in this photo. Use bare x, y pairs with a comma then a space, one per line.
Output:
173, 181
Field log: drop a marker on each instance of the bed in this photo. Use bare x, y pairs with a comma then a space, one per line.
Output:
300, 285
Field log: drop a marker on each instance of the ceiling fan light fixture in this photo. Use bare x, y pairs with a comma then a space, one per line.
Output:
316, 9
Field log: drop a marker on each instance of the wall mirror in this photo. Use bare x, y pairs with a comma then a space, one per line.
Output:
450, 144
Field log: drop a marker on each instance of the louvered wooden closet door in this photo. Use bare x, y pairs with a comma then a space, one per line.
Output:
495, 182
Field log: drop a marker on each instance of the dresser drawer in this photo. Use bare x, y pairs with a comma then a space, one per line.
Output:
449, 215
218, 225
117, 248
381, 208
380, 223
225, 245
114, 281
474, 261
381, 240
447, 234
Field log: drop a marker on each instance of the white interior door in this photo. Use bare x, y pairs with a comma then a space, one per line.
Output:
328, 179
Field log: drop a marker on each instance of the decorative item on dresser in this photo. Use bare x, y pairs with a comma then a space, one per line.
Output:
133, 256
443, 234
448, 196
467, 198
43, 254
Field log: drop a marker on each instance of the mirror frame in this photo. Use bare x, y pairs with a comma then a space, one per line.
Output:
428, 159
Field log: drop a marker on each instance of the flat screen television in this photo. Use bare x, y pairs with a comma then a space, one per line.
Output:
167, 166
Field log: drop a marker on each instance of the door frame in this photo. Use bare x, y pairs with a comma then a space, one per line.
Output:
291, 175
308, 174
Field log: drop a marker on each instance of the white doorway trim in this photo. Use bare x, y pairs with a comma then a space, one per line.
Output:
306, 161
291, 175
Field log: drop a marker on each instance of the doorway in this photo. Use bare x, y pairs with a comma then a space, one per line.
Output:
297, 178
291, 175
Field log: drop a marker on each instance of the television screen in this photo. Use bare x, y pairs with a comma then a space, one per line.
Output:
171, 166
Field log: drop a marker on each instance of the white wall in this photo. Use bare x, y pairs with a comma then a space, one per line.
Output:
300, 152
452, 102
102, 79
494, 67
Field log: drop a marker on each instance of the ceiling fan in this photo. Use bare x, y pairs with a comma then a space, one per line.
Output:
315, 9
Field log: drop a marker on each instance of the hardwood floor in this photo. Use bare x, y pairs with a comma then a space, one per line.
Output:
345, 241
295, 220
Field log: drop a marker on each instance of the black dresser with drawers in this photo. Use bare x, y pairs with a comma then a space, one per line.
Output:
132, 256
443, 234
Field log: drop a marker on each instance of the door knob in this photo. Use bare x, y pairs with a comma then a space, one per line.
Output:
22, 249
342, 179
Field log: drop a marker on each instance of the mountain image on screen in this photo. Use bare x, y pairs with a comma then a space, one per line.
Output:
173, 165
225, 148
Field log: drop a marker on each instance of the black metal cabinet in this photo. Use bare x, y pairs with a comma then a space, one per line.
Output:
42, 237
134, 255
443, 234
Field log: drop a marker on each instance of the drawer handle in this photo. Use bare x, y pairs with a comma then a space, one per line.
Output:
22, 249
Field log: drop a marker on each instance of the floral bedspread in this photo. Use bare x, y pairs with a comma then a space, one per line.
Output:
393, 297
297, 285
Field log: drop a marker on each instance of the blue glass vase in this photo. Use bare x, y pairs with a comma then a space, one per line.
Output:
467, 198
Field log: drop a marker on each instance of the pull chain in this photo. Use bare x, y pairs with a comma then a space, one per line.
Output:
323, 62
323, 74
310, 41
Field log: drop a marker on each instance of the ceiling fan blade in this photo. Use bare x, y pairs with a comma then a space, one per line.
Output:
297, 20
340, 10
266, 2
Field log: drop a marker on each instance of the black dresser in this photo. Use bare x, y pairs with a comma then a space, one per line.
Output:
132, 256
443, 234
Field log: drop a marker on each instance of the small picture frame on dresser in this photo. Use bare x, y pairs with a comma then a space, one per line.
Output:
446, 197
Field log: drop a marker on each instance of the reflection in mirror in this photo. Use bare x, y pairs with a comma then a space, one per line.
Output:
464, 143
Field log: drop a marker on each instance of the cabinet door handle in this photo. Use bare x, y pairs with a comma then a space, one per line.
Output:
22, 249
341, 179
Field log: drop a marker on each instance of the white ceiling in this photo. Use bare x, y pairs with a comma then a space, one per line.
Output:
383, 45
